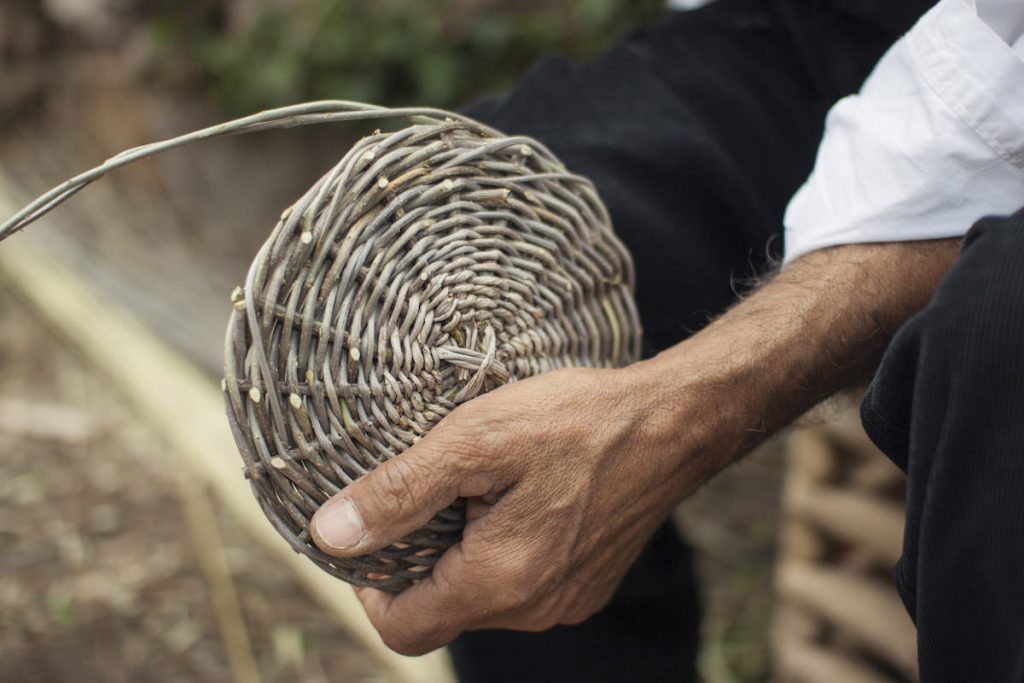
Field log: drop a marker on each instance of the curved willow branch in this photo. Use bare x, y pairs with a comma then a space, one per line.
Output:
309, 113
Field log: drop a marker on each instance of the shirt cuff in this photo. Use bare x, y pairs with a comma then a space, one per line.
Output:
934, 141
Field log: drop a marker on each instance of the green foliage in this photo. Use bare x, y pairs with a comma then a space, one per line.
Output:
432, 52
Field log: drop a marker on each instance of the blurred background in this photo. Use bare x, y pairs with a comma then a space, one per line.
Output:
115, 565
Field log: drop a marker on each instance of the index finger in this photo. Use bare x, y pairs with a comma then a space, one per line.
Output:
430, 614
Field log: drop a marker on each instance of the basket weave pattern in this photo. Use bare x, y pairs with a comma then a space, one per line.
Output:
430, 265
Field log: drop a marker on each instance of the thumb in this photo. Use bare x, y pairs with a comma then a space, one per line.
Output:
388, 503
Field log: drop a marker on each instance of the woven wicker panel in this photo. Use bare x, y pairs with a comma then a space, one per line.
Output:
430, 265
838, 616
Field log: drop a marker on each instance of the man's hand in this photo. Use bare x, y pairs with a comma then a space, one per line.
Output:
569, 473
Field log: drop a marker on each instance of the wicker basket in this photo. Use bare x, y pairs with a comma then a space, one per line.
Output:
430, 265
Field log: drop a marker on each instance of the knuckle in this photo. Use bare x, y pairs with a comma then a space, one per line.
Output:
552, 610
515, 597
540, 618
446, 584
476, 448
547, 622
521, 587
578, 602
396, 483
480, 426
523, 567
574, 618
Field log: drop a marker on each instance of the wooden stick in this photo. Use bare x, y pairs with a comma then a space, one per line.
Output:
810, 455
206, 539
871, 614
871, 524
878, 474
802, 661
799, 540
793, 622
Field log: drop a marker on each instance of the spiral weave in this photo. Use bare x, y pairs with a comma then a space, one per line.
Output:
430, 265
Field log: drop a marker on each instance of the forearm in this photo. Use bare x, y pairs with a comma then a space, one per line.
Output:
817, 327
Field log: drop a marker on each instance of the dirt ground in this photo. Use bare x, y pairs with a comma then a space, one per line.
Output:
100, 576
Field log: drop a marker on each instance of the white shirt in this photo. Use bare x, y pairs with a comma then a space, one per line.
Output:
933, 142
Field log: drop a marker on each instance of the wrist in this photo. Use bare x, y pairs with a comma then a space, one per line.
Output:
818, 326
685, 434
